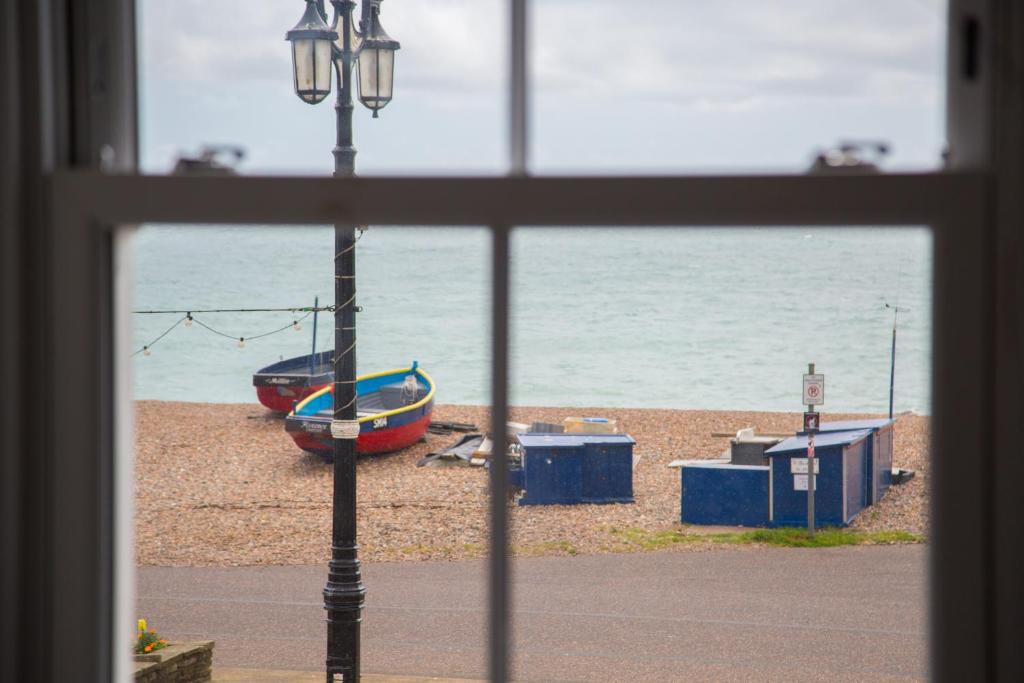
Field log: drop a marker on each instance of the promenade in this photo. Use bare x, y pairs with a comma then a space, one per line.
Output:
749, 614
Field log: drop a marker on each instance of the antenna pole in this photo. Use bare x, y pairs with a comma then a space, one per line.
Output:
892, 362
312, 358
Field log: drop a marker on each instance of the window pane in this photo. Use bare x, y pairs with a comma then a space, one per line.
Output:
233, 517
669, 86
633, 566
221, 73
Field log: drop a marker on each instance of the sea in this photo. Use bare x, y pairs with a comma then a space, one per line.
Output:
694, 318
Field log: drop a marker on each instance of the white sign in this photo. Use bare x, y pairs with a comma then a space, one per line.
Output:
799, 466
344, 429
799, 482
814, 390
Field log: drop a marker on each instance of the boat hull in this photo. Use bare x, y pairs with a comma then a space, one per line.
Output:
283, 384
314, 435
309, 424
281, 399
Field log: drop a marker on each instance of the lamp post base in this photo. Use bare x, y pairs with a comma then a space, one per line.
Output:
344, 596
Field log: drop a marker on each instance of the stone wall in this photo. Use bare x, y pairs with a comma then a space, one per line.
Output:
176, 663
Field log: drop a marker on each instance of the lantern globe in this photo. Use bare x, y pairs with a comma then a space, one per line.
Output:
312, 43
377, 67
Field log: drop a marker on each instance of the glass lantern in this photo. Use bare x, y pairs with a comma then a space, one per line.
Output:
376, 66
311, 41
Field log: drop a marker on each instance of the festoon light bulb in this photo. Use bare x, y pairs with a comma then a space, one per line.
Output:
146, 351
188, 320
241, 342
296, 325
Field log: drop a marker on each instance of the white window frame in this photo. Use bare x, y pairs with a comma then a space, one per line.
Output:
974, 556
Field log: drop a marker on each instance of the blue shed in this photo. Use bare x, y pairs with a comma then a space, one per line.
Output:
560, 469
722, 493
840, 491
880, 449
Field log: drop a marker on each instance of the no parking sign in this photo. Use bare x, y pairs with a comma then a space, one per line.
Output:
814, 390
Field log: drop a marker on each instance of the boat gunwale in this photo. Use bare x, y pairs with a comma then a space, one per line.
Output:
296, 369
375, 416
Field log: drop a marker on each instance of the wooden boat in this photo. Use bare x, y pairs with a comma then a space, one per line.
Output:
393, 409
281, 385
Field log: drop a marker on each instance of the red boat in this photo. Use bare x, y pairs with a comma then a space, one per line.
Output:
281, 385
393, 409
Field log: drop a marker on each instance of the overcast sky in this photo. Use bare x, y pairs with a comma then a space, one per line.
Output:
653, 86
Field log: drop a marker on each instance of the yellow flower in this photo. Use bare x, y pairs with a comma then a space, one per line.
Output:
142, 625
162, 641
149, 647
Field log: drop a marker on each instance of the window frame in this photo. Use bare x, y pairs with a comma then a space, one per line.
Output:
85, 511
93, 205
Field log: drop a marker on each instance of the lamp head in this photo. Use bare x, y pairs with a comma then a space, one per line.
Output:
376, 63
311, 41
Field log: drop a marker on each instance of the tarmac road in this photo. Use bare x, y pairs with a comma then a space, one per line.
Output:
836, 614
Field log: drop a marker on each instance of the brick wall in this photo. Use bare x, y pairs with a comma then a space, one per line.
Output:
176, 663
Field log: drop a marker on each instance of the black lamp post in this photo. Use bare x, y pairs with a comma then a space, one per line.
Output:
315, 46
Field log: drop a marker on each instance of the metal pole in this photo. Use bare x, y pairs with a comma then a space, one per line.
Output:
892, 366
810, 468
499, 598
312, 358
344, 593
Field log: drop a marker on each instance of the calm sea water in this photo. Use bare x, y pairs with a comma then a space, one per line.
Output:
718, 319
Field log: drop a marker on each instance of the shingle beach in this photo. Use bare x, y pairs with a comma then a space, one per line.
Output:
224, 485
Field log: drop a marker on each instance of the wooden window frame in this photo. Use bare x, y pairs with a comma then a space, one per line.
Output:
72, 551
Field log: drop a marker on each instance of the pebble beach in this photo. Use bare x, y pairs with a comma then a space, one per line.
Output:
224, 485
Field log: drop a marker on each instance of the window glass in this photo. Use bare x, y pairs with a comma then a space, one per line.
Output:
670, 86
233, 500
221, 74
654, 539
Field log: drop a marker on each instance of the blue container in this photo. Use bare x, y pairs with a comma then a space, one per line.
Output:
563, 469
840, 491
724, 494
879, 474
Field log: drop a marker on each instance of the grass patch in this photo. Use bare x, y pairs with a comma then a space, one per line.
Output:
546, 548
645, 539
829, 537
892, 537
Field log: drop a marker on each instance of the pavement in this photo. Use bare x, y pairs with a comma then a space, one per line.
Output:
222, 675
750, 614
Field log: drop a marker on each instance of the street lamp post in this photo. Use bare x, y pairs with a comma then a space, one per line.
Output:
315, 46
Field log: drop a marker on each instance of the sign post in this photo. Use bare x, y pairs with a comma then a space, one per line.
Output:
814, 394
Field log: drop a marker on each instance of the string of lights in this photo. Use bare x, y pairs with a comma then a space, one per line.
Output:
189, 318
296, 309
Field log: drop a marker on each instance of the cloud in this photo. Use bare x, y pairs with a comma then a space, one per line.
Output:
733, 52
450, 46
209, 42
729, 54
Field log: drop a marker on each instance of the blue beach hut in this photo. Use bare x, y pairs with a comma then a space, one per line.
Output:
566, 469
840, 491
879, 456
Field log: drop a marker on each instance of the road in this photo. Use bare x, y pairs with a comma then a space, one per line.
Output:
836, 614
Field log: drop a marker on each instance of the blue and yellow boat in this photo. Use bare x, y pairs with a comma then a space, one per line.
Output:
393, 409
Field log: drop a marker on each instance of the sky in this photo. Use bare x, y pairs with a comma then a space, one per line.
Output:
661, 86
